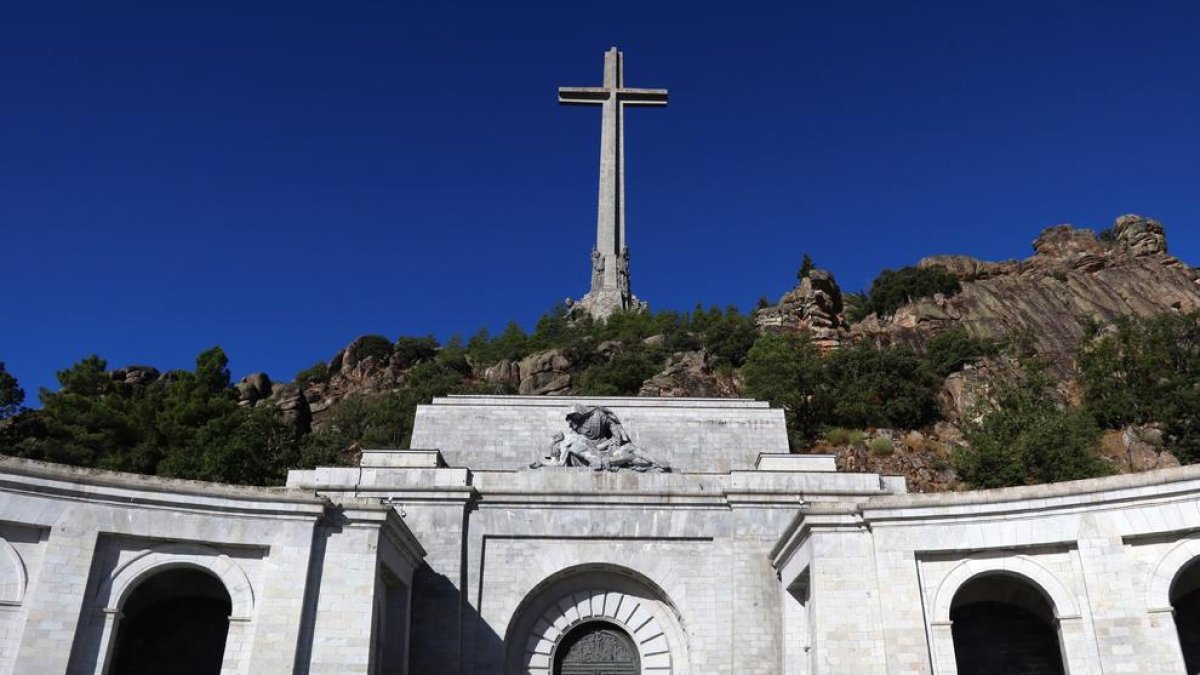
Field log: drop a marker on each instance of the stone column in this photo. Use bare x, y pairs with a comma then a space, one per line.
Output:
56, 600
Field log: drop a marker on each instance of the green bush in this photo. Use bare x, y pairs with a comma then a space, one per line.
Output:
786, 370
894, 289
375, 346
867, 387
881, 446
948, 352
841, 436
622, 375
728, 336
1147, 371
11, 395
314, 374
1029, 439
409, 351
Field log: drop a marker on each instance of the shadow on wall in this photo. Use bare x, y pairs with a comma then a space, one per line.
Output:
446, 629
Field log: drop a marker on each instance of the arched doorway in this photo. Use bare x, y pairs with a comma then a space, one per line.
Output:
1185, 600
597, 648
1004, 625
175, 622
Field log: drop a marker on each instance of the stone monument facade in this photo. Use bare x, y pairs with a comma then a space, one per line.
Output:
456, 558
610, 290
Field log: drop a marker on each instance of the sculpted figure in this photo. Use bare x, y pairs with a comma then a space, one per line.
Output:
570, 449
623, 270
597, 269
596, 440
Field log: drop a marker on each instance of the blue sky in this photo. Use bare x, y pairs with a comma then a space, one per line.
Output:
280, 178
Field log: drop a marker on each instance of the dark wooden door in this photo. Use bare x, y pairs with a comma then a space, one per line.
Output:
597, 649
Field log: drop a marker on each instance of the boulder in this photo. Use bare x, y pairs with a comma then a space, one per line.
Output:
253, 388
545, 373
293, 406
690, 374
136, 376
504, 372
1140, 235
813, 307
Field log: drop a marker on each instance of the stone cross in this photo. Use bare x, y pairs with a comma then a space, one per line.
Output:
610, 259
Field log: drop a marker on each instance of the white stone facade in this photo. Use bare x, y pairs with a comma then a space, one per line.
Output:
458, 559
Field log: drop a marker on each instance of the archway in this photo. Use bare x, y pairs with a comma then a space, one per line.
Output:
1185, 600
597, 648
1004, 625
174, 621
574, 608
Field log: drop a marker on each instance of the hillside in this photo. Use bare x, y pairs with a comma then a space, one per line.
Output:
901, 379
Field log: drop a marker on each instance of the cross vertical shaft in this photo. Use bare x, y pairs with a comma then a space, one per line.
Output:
610, 257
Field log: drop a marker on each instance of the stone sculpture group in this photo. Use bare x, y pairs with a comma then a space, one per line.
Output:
596, 440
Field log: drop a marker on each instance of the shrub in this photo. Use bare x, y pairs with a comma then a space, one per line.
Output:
842, 436
728, 337
869, 387
893, 289
1146, 371
786, 370
409, 351
375, 346
881, 446
1028, 439
622, 375
11, 395
948, 352
314, 374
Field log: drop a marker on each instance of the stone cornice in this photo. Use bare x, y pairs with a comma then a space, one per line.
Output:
56, 481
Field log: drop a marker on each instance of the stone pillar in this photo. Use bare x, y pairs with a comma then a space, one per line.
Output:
847, 619
1113, 599
344, 621
56, 600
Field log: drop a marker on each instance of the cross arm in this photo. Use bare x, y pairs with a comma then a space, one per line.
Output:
583, 95
642, 96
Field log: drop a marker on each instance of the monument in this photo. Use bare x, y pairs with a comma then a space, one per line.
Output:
610, 291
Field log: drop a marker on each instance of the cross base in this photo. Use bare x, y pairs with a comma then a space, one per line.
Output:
604, 302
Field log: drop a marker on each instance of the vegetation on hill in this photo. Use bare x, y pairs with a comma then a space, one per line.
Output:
1031, 403
891, 290
190, 424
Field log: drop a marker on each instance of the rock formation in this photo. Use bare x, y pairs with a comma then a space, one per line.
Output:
1073, 278
691, 374
813, 307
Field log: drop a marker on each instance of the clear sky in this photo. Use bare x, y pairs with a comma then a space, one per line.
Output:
280, 178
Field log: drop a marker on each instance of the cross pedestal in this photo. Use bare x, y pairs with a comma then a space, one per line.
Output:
610, 291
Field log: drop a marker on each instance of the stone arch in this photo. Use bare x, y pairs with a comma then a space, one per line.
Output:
595, 593
13, 577
1162, 578
112, 592
1061, 600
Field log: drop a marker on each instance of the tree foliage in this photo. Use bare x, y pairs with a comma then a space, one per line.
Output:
11, 395
1147, 371
948, 352
894, 289
786, 370
1029, 439
869, 387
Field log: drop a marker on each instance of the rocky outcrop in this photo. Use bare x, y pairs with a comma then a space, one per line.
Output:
814, 307
691, 374
293, 406
925, 461
1048, 299
506, 373
545, 373
253, 388
1136, 448
135, 376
